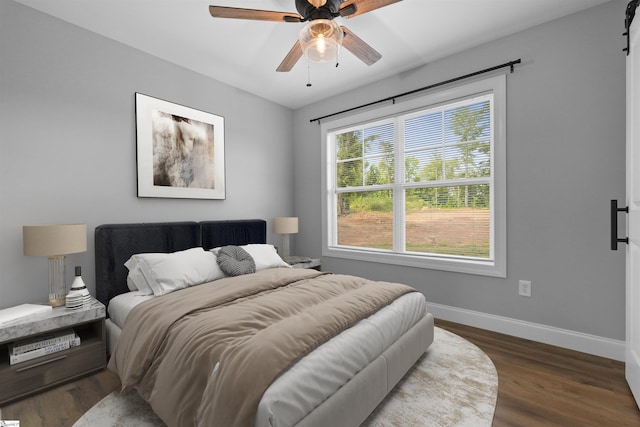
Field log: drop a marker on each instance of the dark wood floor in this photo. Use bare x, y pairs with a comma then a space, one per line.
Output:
543, 385
539, 385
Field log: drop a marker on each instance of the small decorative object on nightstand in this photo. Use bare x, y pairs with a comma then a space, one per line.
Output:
303, 262
30, 376
78, 294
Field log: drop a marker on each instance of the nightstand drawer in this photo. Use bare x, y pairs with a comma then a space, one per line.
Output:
28, 377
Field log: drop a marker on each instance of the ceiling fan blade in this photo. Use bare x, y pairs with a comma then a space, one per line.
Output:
351, 8
359, 48
291, 59
258, 15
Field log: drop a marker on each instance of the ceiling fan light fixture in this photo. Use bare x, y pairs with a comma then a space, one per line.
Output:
318, 3
320, 40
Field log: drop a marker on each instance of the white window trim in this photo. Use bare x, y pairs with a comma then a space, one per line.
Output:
497, 267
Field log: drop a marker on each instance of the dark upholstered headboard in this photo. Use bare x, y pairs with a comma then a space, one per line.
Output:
115, 243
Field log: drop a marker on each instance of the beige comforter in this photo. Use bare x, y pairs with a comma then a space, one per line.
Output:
205, 355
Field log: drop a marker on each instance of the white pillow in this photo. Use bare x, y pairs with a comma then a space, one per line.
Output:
135, 279
130, 283
165, 273
265, 256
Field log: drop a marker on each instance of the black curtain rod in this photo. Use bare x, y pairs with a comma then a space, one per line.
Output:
393, 98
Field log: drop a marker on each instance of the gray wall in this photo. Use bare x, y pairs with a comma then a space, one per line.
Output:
67, 142
565, 154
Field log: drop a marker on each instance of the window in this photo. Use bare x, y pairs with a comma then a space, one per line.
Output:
421, 183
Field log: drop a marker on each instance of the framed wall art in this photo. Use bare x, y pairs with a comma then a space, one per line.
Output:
180, 151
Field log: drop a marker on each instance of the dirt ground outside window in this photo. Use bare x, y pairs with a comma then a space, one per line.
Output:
462, 231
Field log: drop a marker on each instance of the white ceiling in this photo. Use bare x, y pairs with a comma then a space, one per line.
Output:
245, 54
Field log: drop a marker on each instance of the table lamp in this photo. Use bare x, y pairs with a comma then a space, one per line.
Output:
55, 241
285, 226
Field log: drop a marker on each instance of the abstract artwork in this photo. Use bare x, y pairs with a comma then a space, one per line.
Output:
180, 151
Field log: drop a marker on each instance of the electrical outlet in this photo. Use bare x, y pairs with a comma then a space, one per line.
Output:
524, 288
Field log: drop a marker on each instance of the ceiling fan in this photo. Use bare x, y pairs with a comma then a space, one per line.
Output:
321, 37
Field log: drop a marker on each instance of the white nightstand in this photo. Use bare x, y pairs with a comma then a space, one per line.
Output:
25, 378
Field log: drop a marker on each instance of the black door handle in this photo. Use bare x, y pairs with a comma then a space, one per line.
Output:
614, 225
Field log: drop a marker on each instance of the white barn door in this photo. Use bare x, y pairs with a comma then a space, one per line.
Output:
633, 202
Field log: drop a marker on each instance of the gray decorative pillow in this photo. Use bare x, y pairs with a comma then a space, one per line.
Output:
235, 261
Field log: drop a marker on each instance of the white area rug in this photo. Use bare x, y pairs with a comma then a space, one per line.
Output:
453, 384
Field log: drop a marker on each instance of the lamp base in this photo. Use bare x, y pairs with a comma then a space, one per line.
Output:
285, 245
57, 288
59, 302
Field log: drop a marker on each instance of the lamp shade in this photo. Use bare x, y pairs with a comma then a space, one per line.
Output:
285, 225
54, 239
320, 40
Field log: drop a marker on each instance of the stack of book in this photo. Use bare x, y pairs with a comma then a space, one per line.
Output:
42, 345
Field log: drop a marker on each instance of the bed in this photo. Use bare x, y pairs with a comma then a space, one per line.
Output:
336, 381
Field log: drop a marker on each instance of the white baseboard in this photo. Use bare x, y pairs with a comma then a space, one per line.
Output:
591, 344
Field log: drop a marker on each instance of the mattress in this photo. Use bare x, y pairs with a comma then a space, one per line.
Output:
318, 375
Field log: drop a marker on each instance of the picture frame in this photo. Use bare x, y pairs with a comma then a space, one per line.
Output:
180, 151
